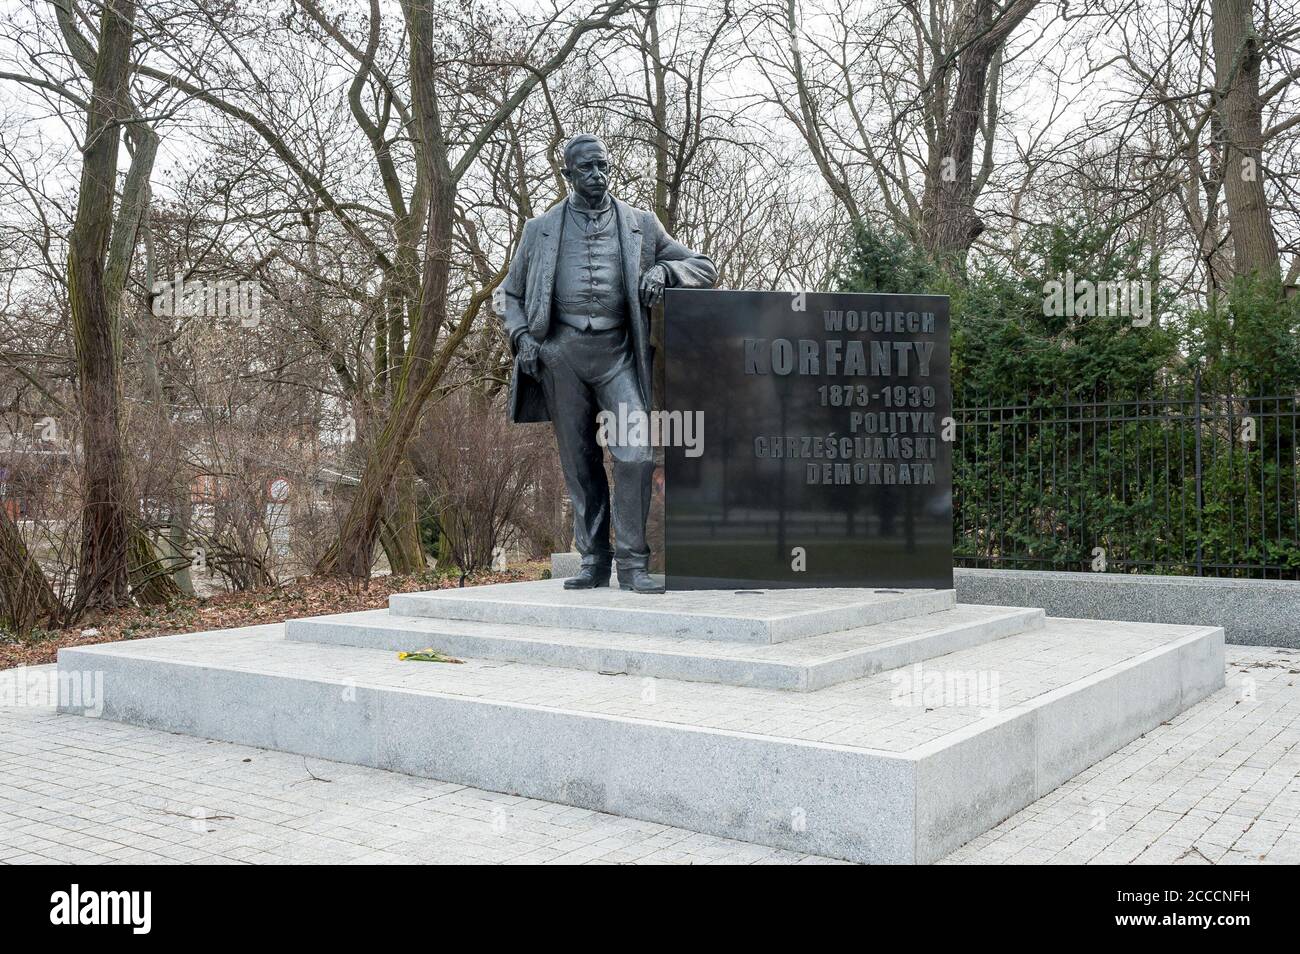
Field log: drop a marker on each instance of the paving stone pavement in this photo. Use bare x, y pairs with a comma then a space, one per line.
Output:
1218, 784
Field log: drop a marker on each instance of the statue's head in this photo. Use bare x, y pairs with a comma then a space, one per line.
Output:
586, 167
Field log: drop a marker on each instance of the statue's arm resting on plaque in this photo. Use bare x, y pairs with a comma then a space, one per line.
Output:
683, 267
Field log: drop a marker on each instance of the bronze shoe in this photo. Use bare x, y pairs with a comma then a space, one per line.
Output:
638, 580
588, 578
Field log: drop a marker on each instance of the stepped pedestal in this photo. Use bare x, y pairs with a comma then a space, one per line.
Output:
873, 725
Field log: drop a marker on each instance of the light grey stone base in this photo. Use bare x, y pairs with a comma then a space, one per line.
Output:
802, 665
746, 616
565, 564
1251, 612
866, 770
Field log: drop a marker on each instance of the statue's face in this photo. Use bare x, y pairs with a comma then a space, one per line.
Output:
588, 172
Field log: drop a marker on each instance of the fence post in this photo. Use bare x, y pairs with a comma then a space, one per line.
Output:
1199, 499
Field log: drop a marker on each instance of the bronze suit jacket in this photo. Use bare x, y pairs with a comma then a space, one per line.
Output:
523, 300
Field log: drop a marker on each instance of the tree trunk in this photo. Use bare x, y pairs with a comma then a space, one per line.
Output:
178, 540
102, 578
353, 552
425, 359
657, 92
173, 547
150, 572
664, 209
949, 223
400, 529
26, 597
1241, 110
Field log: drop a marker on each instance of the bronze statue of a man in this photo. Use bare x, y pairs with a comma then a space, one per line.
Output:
576, 305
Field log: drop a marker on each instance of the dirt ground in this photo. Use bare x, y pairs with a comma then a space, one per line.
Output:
306, 597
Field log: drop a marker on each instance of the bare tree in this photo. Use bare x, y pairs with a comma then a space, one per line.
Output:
949, 222
1239, 109
93, 293
26, 597
430, 353
891, 103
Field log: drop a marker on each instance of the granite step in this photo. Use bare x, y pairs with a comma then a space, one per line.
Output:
801, 665
901, 766
747, 616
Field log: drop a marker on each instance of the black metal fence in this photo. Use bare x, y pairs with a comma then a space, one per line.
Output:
1198, 484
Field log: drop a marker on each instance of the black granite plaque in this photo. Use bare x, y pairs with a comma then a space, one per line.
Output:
821, 455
